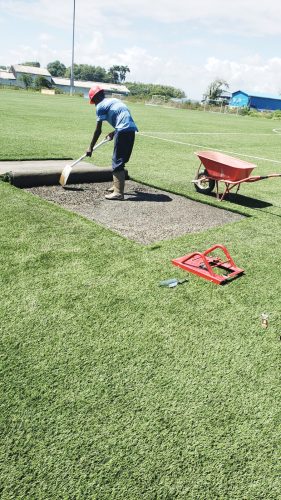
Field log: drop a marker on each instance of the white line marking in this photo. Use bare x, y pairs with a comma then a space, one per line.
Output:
205, 133
207, 147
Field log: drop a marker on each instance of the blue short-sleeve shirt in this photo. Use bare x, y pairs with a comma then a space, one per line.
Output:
116, 113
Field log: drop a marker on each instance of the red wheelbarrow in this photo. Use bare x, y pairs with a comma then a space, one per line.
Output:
217, 167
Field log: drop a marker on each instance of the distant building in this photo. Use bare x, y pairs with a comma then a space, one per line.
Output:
261, 102
223, 99
84, 87
225, 96
7, 78
19, 70
14, 77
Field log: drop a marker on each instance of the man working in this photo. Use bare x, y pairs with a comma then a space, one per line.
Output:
116, 113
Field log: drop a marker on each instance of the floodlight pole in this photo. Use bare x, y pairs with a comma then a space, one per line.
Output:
72, 60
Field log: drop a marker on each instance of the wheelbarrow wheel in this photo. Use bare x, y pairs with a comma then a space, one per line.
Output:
204, 185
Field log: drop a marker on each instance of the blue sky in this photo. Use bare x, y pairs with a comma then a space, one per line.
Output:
186, 44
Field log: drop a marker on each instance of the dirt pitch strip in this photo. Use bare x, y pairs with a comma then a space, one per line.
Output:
147, 215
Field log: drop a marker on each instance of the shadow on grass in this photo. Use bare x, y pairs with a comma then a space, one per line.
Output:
248, 202
267, 212
244, 201
230, 280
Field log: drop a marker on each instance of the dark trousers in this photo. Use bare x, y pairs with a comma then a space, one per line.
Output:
123, 146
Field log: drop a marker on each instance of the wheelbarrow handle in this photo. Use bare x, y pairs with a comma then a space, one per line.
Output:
255, 178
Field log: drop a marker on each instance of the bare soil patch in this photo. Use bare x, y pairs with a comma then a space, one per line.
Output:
147, 215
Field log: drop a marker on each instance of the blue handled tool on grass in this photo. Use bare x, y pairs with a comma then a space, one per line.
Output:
172, 282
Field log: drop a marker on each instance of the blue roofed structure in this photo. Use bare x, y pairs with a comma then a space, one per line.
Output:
261, 102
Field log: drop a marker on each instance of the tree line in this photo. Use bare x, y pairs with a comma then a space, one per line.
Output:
117, 74
85, 72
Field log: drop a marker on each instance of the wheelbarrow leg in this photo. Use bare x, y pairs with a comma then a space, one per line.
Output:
198, 171
221, 197
226, 191
228, 188
217, 190
238, 187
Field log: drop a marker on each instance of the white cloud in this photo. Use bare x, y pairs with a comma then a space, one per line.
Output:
103, 23
45, 37
255, 75
60, 14
250, 18
43, 53
91, 51
258, 76
21, 54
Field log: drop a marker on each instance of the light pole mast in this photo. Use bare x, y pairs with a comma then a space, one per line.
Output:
72, 60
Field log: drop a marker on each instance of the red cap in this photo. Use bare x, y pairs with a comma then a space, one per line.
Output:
93, 91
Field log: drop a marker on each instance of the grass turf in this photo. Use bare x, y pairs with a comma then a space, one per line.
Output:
111, 386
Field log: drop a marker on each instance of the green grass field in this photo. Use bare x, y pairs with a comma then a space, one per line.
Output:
114, 388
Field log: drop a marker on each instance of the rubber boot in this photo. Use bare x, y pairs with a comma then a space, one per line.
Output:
118, 185
110, 189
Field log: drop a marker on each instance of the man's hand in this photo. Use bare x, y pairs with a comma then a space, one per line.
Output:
89, 152
110, 136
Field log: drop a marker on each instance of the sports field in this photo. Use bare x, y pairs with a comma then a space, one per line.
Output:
115, 388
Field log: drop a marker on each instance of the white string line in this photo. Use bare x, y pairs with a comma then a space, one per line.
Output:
206, 147
208, 133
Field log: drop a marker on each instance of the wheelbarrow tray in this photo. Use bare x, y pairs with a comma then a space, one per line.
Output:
219, 166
